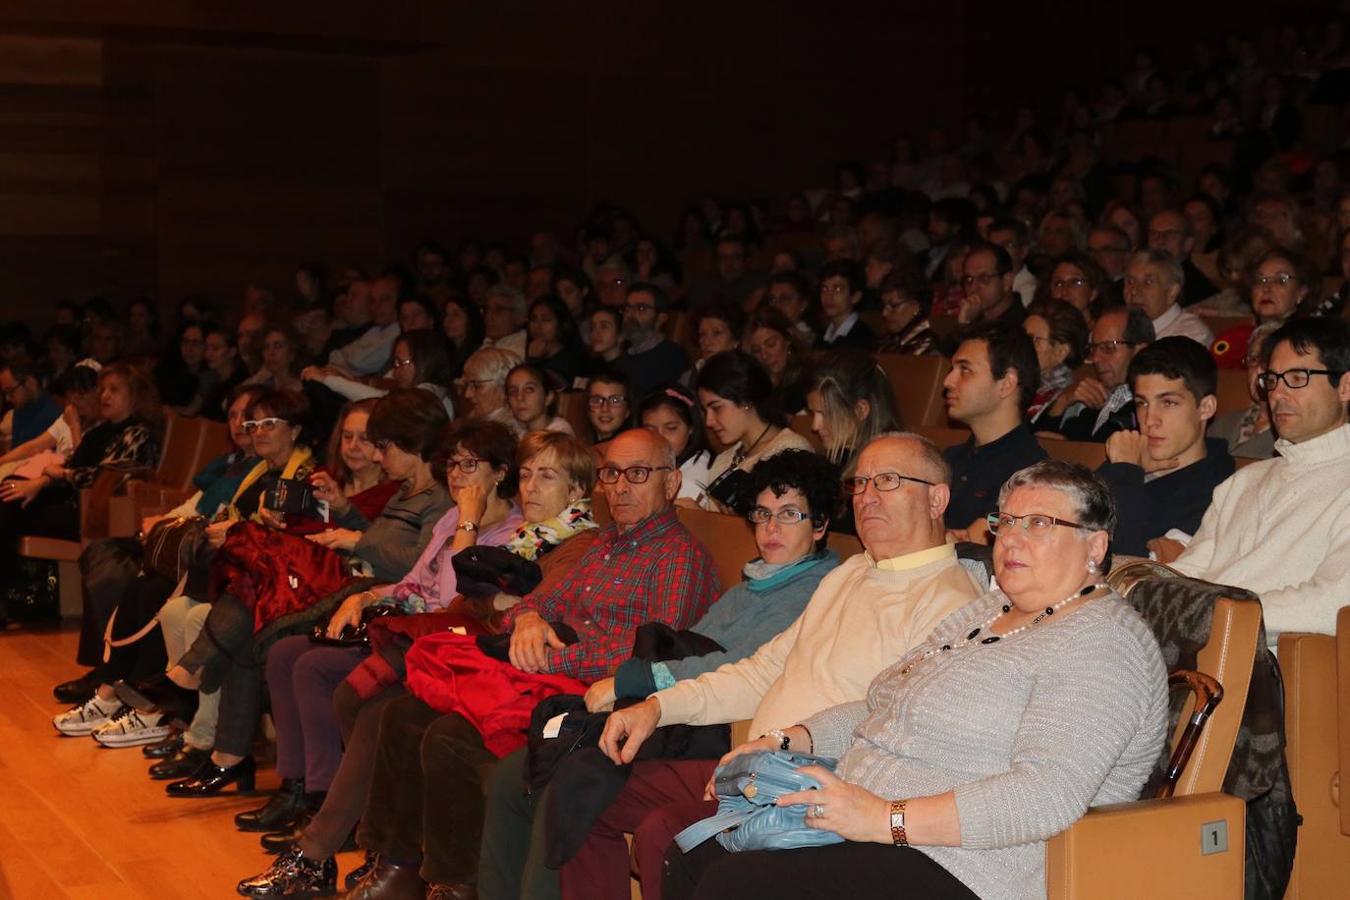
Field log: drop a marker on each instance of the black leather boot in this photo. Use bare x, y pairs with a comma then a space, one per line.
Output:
280, 811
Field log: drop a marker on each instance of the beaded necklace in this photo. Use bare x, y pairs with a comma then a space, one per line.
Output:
995, 638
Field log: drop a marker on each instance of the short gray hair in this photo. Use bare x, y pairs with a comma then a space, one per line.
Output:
494, 363
1163, 260
930, 455
510, 295
1094, 507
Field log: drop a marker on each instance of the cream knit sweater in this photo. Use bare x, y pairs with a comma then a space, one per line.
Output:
1281, 528
863, 617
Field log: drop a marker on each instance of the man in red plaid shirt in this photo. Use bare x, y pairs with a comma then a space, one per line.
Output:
427, 789
645, 567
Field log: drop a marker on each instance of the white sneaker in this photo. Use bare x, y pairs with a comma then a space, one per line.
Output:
80, 720
130, 728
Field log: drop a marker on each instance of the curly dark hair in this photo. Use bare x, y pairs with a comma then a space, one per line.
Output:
804, 471
487, 440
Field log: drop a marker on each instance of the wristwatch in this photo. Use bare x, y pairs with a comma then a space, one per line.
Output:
470, 527
898, 836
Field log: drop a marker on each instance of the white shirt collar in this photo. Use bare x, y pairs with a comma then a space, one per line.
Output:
844, 328
1167, 318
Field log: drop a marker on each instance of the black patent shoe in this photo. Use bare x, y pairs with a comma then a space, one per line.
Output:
165, 749
186, 763
287, 838
78, 690
211, 779
355, 875
281, 811
293, 875
159, 694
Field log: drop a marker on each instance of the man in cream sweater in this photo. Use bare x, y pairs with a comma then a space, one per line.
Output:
1281, 527
863, 616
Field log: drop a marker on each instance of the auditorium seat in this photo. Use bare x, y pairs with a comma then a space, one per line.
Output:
1232, 394
917, 383
1152, 848
1316, 671
572, 407
94, 524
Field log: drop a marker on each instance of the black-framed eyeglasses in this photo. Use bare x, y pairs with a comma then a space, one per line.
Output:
598, 401
267, 425
466, 464
788, 515
639, 308
1293, 378
882, 481
632, 474
1037, 525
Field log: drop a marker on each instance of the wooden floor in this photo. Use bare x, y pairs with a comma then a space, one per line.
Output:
81, 821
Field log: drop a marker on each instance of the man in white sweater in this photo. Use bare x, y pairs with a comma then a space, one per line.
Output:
864, 615
1281, 527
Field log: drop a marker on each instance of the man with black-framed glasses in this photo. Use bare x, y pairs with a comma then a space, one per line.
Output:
645, 567
1093, 409
1281, 527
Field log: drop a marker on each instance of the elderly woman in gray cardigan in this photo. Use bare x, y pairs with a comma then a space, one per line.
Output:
1021, 711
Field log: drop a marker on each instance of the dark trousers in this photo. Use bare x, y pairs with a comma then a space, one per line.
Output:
427, 794
660, 798
301, 679
141, 601
511, 857
838, 872
224, 655
359, 722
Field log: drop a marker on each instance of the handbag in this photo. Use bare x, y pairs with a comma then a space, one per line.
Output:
173, 545
746, 817
733, 488
357, 635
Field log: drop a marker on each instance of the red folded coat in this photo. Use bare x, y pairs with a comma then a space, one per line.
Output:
275, 574
451, 675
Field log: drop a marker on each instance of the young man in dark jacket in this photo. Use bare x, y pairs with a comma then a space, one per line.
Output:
1164, 474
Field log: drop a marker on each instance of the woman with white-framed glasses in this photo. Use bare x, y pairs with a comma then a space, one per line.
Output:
1033, 703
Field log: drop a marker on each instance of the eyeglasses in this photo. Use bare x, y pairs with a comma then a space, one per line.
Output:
1294, 378
1060, 284
1280, 278
632, 474
266, 426
1108, 346
1035, 524
401, 363
786, 516
640, 308
476, 384
1158, 237
466, 464
882, 481
598, 401
835, 289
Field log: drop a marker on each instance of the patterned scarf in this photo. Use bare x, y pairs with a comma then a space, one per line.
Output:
534, 539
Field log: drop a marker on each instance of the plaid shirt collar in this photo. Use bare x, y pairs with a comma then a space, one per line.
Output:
656, 524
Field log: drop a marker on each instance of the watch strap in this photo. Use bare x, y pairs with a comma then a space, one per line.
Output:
898, 836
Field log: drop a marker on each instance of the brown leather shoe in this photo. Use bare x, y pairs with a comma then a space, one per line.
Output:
452, 892
389, 882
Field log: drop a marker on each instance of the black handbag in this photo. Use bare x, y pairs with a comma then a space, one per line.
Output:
357, 635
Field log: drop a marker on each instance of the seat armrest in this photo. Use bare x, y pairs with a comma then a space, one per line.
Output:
1343, 702
1149, 848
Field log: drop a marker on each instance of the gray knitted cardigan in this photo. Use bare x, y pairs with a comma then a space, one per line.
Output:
1029, 732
